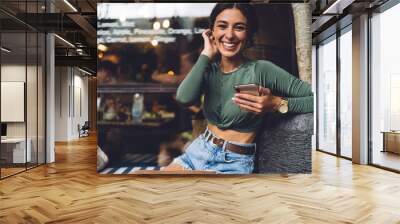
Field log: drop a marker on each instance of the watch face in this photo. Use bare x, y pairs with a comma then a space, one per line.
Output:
283, 108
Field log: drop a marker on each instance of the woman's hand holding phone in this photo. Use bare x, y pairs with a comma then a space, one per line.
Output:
266, 102
210, 47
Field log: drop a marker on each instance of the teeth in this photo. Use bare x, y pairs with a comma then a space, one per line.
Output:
228, 45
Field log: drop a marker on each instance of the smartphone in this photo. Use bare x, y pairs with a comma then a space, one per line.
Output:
252, 89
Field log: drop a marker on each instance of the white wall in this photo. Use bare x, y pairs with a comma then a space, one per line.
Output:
61, 103
71, 93
14, 73
33, 127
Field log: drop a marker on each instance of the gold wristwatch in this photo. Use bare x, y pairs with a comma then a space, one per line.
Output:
283, 107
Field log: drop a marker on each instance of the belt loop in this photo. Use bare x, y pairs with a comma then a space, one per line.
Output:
209, 138
224, 145
206, 133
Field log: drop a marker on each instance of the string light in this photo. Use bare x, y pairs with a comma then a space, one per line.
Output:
166, 23
122, 18
154, 43
102, 47
156, 25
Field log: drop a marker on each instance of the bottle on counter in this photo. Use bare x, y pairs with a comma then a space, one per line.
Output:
137, 107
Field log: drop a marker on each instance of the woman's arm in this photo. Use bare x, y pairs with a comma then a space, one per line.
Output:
277, 83
190, 90
297, 92
301, 104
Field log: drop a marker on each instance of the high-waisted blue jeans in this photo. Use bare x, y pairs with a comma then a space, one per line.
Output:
204, 155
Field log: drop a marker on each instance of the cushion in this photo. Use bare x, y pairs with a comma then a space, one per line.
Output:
284, 144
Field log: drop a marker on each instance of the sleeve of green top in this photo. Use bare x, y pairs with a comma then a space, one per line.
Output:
298, 93
190, 90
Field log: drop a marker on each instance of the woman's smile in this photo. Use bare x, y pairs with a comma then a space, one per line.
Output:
229, 46
230, 31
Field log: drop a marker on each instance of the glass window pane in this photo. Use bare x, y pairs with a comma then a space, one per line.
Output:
22, 62
346, 94
327, 96
13, 85
386, 89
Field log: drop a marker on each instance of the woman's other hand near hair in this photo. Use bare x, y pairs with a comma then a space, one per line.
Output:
210, 47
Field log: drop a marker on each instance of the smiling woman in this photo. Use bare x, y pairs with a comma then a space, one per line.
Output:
227, 145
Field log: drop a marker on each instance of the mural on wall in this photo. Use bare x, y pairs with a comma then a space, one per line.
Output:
191, 88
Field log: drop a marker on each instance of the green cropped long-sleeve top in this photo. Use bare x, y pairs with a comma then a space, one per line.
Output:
218, 89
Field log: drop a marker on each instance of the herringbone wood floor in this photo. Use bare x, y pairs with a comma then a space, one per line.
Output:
70, 191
